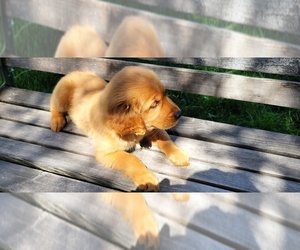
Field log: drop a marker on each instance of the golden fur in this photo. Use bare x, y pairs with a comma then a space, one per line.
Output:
134, 209
81, 41
135, 37
133, 108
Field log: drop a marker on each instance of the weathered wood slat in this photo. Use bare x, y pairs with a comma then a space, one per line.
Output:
32, 116
25, 226
241, 158
260, 140
252, 89
45, 137
202, 221
274, 14
214, 173
35, 99
215, 164
195, 39
231, 135
282, 66
177, 235
17, 178
238, 227
89, 212
87, 169
62, 163
276, 206
83, 211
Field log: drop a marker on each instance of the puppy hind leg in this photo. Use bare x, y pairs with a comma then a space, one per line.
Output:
58, 120
58, 110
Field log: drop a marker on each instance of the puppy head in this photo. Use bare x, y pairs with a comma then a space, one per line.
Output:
137, 103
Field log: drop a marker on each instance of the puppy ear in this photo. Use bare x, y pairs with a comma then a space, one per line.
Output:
125, 119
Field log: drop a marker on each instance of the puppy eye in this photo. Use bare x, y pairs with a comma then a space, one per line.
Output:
154, 104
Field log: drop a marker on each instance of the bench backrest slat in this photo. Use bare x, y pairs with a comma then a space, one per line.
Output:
274, 15
261, 90
278, 66
180, 38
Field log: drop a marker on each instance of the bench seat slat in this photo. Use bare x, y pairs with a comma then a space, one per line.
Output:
218, 172
201, 211
17, 178
265, 141
85, 168
72, 207
277, 206
29, 226
256, 139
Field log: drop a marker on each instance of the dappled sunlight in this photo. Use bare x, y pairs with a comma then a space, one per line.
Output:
156, 221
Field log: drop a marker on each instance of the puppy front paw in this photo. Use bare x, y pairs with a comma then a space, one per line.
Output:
179, 158
147, 232
146, 181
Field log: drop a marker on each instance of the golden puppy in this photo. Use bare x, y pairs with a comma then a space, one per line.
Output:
135, 37
81, 41
133, 108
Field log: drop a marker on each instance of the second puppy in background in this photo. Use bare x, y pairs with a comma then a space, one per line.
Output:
81, 41
135, 37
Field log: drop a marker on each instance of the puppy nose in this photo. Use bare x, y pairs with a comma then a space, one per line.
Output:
177, 115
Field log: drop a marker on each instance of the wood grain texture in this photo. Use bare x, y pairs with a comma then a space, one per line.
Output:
259, 140
224, 163
17, 178
232, 224
85, 168
195, 39
62, 163
212, 164
25, 226
255, 139
231, 221
251, 89
282, 66
274, 14
90, 212
276, 206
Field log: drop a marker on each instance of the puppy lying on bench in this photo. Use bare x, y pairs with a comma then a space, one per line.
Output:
132, 108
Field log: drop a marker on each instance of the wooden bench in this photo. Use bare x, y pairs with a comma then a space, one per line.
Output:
196, 28
204, 221
223, 157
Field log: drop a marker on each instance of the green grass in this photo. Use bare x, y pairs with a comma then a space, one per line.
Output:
33, 40
252, 115
35, 80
